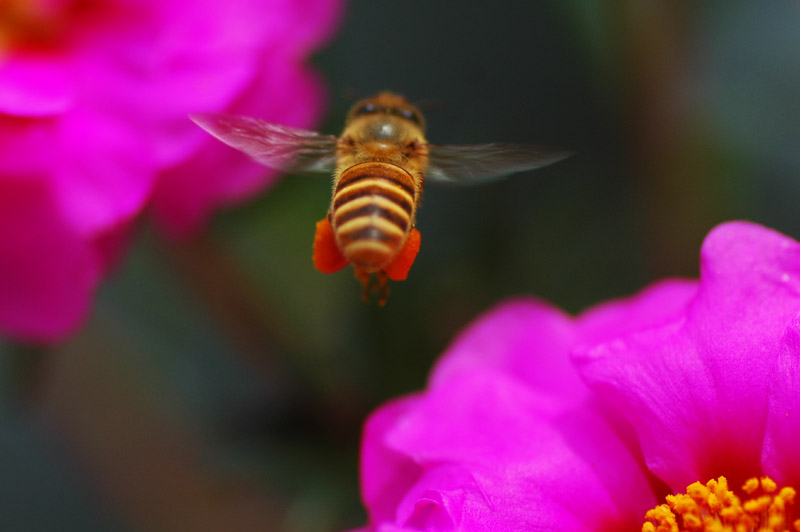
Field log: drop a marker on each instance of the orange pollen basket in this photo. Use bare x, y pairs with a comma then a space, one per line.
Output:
713, 507
398, 269
327, 257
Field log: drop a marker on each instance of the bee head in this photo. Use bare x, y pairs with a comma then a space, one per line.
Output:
387, 103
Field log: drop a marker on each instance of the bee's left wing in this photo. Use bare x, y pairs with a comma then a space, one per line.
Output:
280, 147
469, 164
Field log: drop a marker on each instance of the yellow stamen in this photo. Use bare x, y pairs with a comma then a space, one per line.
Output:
715, 508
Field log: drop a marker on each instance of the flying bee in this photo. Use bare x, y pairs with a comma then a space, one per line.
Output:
379, 165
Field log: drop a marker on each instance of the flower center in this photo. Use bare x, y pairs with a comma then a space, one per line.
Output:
23, 22
37, 24
715, 508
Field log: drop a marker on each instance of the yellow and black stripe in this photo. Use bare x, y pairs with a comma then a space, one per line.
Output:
371, 213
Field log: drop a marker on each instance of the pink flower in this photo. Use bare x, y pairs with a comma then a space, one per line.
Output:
94, 98
721, 380
686, 382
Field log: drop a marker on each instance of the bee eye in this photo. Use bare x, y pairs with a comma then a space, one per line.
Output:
366, 109
408, 114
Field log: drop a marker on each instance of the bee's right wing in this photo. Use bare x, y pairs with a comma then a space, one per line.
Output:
280, 147
476, 163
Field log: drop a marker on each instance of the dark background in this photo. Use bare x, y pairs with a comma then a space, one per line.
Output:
221, 383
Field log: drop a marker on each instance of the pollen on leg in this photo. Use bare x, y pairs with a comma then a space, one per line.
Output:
365, 278
381, 288
398, 269
714, 507
374, 284
327, 256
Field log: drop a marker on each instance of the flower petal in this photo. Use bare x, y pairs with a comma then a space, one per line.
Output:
525, 338
106, 173
96, 113
659, 303
26, 146
696, 388
34, 86
218, 175
48, 271
496, 455
780, 456
386, 475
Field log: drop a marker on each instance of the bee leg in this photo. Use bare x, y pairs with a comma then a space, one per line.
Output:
381, 287
365, 278
327, 256
398, 269
377, 286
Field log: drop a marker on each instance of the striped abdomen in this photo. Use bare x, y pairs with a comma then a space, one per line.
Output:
371, 213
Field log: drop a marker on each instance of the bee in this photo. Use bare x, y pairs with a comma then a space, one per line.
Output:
379, 164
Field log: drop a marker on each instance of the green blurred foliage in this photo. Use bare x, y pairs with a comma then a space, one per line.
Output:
222, 383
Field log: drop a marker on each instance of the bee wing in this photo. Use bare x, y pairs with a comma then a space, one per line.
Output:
469, 164
280, 147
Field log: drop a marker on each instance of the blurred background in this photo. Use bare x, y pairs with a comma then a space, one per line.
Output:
221, 383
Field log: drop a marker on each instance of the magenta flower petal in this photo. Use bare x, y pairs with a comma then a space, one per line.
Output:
780, 456
387, 473
698, 380
101, 192
484, 452
280, 89
34, 86
696, 388
660, 303
94, 104
21, 141
505, 438
518, 338
48, 271
218, 175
